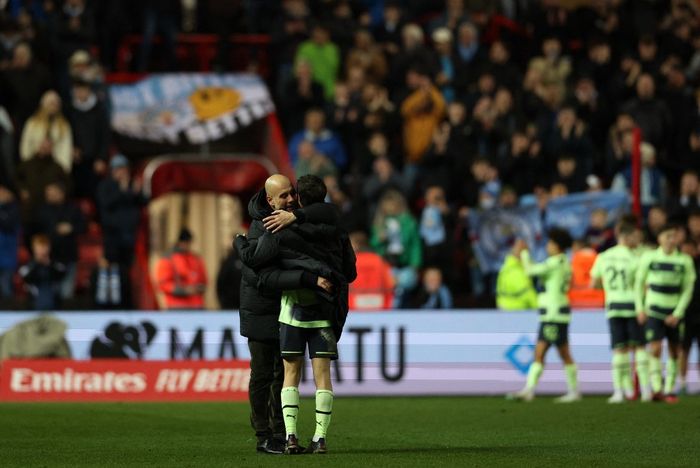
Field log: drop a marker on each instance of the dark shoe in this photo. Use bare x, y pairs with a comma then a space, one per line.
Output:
271, 447
292, 446
317, 447
657, 397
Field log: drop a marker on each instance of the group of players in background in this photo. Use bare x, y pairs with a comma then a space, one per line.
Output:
647, 293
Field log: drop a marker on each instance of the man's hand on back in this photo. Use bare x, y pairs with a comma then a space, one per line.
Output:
279, 219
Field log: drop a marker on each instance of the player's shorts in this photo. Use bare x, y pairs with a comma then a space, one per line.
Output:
691, 333
556, 334
657, 330
321, 342
625, 331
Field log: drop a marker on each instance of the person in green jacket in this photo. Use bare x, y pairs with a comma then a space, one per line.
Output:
324, 57
554, 278
395, 236
514, 290
663, 289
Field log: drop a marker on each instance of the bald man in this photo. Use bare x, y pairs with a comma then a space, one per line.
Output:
260, 307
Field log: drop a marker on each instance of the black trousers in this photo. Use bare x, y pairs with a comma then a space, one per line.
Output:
266, 378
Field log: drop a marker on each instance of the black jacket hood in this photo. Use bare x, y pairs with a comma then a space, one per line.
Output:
258, 207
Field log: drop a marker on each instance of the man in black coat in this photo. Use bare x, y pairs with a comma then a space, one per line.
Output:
312, 315
260, 308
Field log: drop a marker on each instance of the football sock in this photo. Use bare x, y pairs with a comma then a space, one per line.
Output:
571, 377
642, 360
324, 408
533, 375
671, 372
618, 371
655, 373
290, 409
627, 379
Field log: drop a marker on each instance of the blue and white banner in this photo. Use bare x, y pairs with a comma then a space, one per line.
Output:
493, 232
573, 212
387, 353
189, 108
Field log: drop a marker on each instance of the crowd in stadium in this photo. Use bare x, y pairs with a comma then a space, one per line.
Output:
414, 113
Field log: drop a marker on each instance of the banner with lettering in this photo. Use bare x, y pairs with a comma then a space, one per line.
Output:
381, 353
188, 108
123, 380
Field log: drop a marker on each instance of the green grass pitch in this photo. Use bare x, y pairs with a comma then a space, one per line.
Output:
364, 432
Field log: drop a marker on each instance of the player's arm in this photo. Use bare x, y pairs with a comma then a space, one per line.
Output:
686, 290
316, 213
640, 288
534, 269
258, 252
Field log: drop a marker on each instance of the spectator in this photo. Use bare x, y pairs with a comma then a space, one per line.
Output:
311, 161
656, 219
42, 276
434, 294
447, 74
567, 172
599, 235
436, 226
693, 225
651, 114
119, 199
48, 124
553, 68
288, 32
33, 176
377, 147
499, 65
384, 177
514, 289
619, 146
83, 68
388, 33
422, 111
324, 57
395, 237
413, 54
688, 198
652, 181
301, 94
62, 221
324, 140
91, 133
182, 276
23, 84
368, 56
9, 240
523, 165
353, 211
110, 286
489, 184
569, 136
373, 289
468, 54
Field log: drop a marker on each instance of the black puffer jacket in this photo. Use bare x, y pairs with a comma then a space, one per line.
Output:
318, 249
260, 306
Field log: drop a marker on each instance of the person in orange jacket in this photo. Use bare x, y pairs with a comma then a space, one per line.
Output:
181, 275
373, 289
